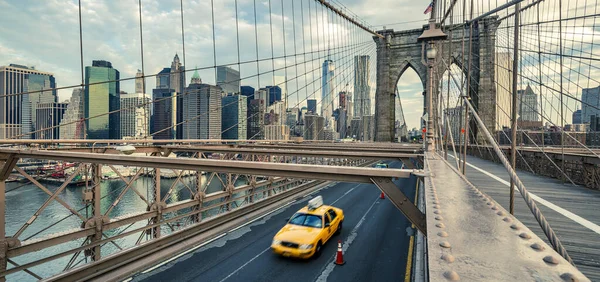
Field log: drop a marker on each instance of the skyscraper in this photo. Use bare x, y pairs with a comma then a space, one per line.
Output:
48, 118
139, 82
177, 82
163, 79
164, 113
278, 109
368, 128
174, 78
590, 97
18, 112
274, 93
248, 92
135, 118
100, 99
234, 117
342, 97
528, 106
349, 106
262, 94
277, 132
291, 120
71, 125
327, 90
177, 75
36, 82
577, 117
256, 119
311, 105
362, 90
342, 122
228, 79
202, 112
355, 130
313, 127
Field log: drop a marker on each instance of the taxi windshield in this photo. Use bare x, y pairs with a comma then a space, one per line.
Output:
309, 220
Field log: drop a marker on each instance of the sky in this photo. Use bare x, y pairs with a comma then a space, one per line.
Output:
45, 34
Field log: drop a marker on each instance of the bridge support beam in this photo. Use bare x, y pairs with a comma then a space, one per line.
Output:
3, 241
414, 215
7, 167
407, 163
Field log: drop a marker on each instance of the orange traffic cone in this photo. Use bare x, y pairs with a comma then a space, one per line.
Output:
382, 196
339, 259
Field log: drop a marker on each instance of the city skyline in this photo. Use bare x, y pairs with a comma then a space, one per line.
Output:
117, 41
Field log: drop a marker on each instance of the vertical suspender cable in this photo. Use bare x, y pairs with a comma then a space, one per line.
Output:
82, 122
182, 72
284, 59
256, 41
295, 60
272, 51
562, 119
540, 74
468, 94
212, 17
515, 74
237, 32
143, 70
461, 138
182, 33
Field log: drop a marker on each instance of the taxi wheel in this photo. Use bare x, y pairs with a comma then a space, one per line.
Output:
317, 250
339, 229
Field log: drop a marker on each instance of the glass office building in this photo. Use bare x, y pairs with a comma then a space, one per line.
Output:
234, 117
228, 79
100, 99
164, 111
18, 112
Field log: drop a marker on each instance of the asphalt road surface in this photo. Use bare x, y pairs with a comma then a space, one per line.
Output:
374, 236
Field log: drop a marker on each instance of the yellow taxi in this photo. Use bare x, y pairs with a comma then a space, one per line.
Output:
308, 230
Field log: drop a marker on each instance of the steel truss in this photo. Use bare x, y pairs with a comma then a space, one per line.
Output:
271, 175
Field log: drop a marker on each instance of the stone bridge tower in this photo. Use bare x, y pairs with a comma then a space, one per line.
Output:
399, 50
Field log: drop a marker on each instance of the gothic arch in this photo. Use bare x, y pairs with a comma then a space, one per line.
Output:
421, 71
399, 50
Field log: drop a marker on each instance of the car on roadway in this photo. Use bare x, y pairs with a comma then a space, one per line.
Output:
308, 230
381, 165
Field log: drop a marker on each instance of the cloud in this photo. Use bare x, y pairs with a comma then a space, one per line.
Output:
46, 35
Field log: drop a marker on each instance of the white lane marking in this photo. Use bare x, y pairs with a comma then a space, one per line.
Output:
184, 253
240, 268
346, 245
584, 222
255, 257
127, 280
214, 239
347, 192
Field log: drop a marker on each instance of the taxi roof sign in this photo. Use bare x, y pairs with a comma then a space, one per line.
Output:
315, 202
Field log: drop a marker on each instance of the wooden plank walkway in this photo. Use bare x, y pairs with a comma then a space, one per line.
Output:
581, 239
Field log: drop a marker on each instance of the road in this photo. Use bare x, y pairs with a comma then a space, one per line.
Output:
374, 236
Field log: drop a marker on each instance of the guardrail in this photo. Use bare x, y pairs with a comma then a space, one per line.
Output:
99, 236
580, 167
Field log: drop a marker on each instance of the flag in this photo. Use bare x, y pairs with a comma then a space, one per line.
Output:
429, 8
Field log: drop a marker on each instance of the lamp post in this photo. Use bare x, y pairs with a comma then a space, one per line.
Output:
430, 36
430, 54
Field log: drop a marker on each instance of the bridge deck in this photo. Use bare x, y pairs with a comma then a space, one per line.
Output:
573, 211
470, 237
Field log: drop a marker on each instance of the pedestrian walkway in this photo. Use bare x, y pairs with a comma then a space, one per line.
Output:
573, 211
